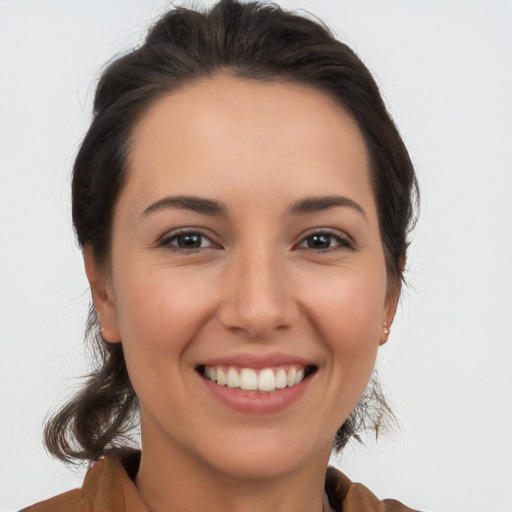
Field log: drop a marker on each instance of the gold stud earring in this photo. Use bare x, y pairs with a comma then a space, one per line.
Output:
385, 327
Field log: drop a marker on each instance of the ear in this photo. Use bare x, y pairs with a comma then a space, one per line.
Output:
388, 316
391, 304
102, 298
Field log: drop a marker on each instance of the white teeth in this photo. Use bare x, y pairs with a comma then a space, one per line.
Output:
290, 379
266, 379
211, 373
248, 379
221, 377
233, 379
280, 379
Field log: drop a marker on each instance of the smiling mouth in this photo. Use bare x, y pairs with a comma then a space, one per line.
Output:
264, 380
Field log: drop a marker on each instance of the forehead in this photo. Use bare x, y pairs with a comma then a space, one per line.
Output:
247, 133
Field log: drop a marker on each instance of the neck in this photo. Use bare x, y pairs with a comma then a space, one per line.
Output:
170, 478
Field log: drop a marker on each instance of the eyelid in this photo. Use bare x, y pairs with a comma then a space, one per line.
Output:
165, 240
347, 242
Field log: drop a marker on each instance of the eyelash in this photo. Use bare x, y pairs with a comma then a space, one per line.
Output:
166, 241
344, 242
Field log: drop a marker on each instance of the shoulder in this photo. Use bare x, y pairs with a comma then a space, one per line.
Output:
71, 501
347, 496
107, 486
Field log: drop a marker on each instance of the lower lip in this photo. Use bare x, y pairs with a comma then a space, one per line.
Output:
254, 402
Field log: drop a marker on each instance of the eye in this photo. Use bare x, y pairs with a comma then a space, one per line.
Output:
324, 241
186, 241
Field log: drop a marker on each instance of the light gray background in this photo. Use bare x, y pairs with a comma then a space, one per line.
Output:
445, 71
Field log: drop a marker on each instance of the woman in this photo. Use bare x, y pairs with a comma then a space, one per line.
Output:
243, 200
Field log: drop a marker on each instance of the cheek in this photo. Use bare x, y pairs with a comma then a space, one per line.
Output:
159, 312
347, 309
161, 309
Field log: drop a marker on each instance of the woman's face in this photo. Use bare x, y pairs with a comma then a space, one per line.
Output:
246, 250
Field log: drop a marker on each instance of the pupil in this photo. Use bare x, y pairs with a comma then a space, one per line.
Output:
319, 241
189, 241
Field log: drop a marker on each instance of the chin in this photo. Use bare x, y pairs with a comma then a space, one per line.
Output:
268, 456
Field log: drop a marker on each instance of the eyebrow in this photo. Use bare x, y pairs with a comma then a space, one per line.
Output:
320, 203
196, 204
218, 208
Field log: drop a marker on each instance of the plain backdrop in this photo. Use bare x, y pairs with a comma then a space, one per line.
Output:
444, 68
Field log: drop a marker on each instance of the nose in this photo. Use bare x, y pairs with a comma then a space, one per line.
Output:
258, 296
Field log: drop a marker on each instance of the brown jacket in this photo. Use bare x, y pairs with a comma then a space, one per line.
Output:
108, 488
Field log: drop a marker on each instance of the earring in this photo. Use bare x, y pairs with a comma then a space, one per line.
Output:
102, 330
385, 327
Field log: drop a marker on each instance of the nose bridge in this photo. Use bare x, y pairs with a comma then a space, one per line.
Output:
259, 298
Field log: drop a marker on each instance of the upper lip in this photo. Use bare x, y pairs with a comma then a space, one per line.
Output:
257, 361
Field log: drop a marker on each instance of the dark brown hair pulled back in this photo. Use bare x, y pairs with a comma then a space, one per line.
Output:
250, 40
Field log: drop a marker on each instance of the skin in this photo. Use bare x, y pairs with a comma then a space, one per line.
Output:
254, 286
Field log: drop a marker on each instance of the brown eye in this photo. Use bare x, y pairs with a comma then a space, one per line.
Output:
187, 241
319, 241
324, 241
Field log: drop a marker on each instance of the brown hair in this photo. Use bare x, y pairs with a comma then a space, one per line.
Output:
250, 40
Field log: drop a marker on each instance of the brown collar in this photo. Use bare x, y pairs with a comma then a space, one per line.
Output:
108, 486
